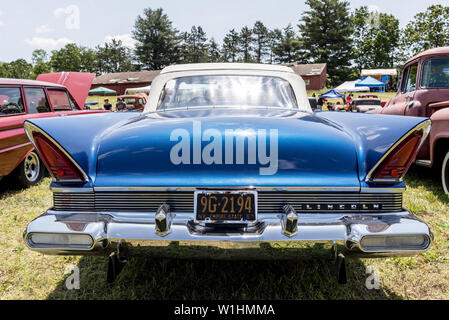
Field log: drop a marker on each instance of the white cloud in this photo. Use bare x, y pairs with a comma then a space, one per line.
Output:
1, 22
127, 40
44, 29
48, 43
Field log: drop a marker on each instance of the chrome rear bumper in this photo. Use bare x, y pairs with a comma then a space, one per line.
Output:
71, 233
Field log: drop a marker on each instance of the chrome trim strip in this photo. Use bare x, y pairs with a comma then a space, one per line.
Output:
425, 126
30, 128
71, 190
382, 190
193, 189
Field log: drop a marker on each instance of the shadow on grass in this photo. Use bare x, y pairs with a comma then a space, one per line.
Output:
427, 178
152, 277
8, 186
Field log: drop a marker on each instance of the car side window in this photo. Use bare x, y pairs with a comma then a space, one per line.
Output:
59, 100
410, 76
36, 100
11, 102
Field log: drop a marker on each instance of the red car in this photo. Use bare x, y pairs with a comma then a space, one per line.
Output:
62, 94
424, 92
134, 102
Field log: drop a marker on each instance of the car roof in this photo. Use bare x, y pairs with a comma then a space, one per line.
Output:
225, 66
434, 51
4, 81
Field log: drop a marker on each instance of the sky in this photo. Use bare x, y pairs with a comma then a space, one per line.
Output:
26, 25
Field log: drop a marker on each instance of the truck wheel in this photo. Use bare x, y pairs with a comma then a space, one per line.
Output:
31, 171
445, 173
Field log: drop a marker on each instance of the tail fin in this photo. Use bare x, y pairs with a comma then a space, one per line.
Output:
78, 83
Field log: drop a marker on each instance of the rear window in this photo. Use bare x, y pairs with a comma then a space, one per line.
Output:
11, 101
373, 102
227, 91
130, 100
59, 100
435, 73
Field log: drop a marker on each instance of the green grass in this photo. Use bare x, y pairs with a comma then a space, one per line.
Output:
29, 275
100, 100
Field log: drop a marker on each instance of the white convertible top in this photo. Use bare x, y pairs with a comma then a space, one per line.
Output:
225, 66
246, 69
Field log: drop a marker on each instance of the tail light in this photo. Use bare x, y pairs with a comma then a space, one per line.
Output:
394, 166
61, 167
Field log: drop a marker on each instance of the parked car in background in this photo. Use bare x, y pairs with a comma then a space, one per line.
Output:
368, 95
366, 104
135, 102
22, 100
313, 103
375, 96
424, 92
227, 153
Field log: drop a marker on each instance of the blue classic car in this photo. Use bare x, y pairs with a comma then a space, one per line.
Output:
227, 153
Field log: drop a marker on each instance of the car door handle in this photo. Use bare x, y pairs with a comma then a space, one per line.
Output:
410, 104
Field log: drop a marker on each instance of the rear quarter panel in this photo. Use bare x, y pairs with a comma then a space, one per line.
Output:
14, 144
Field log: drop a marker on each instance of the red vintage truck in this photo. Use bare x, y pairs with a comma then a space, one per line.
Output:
54, 95
424, 92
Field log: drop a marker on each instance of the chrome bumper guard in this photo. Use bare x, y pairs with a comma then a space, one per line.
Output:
71, 233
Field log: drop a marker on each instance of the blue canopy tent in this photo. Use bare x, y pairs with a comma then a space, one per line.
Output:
371, 83
332, 94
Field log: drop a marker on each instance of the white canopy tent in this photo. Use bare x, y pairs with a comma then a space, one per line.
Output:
138, 90
349, 86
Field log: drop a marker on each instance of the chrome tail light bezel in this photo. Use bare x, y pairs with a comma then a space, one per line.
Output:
30, 129
425, 128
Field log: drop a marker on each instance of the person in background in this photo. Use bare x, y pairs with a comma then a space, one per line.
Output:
349, 100
120, 105
107, 105
320, 102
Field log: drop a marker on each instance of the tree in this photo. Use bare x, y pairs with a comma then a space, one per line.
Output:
230, 49
4, 70
261, 38
326, 31
288, 46
18, 69
73, 58
376, 39
274, 41
426, 30
246, 40
41, 63
113, 57
157, 40
214, 51
194, 46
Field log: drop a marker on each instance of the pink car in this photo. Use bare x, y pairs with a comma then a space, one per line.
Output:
424, 92
57, 95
